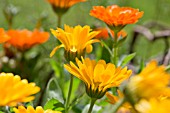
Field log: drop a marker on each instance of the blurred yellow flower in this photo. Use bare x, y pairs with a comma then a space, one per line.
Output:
98, 76
125, 108
75, 40
30, 109
64, 3
14, 90
3, 36
153, 106
153, 81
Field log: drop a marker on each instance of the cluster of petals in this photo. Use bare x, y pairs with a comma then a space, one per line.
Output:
64, 3
25, 39
116, 16
153, 105
30, 109
3, 36
104, 33
153, 76
75, 39
14, 90
98, 75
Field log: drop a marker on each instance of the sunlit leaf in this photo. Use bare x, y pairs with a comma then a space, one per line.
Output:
54, 104
127, 59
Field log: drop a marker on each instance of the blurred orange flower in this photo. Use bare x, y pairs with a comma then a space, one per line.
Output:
3, 36
64, 3
116, 16
25, 39
104, 33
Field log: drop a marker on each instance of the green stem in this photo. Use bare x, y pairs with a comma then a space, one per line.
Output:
93, 100
59, 20
69, 94
118, 105
115, 59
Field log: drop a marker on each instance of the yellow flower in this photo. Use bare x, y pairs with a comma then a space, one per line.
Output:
14, 90
153, 81
125, 108
30, 109
98, 76
64, 3
75, 40
153, 106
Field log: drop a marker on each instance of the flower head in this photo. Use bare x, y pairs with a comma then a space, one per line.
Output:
3, 36
153, 106
64, 3
30, 109
25, 39
75, 40
14, 90
116, 16
98, 76
153, 81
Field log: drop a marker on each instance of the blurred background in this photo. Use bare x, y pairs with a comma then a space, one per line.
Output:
32, 10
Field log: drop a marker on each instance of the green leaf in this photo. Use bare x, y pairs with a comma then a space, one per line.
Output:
168, 68
127, 59
121, 40
56, 67
54, 104
107, 47
54, 90
142, 66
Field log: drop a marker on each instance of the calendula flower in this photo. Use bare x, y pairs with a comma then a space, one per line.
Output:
30, 109
64, 3
153, 106
98, 76
75, 40
14, 90
104, 33
125, 108
116, 16
153, 81
3, 36
25, 39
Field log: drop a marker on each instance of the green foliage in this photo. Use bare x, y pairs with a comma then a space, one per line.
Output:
127, 59
54, 90
55, 105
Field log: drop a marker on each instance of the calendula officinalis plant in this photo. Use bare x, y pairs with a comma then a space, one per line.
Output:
79, 68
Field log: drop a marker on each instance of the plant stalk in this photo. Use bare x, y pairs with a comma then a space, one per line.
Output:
93, 100
118, 105
69, 94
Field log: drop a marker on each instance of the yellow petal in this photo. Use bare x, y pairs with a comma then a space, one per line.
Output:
55, 49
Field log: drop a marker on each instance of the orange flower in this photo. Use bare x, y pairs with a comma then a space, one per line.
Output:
104, 33
116, 16
3, 36
25, 39
64, 3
